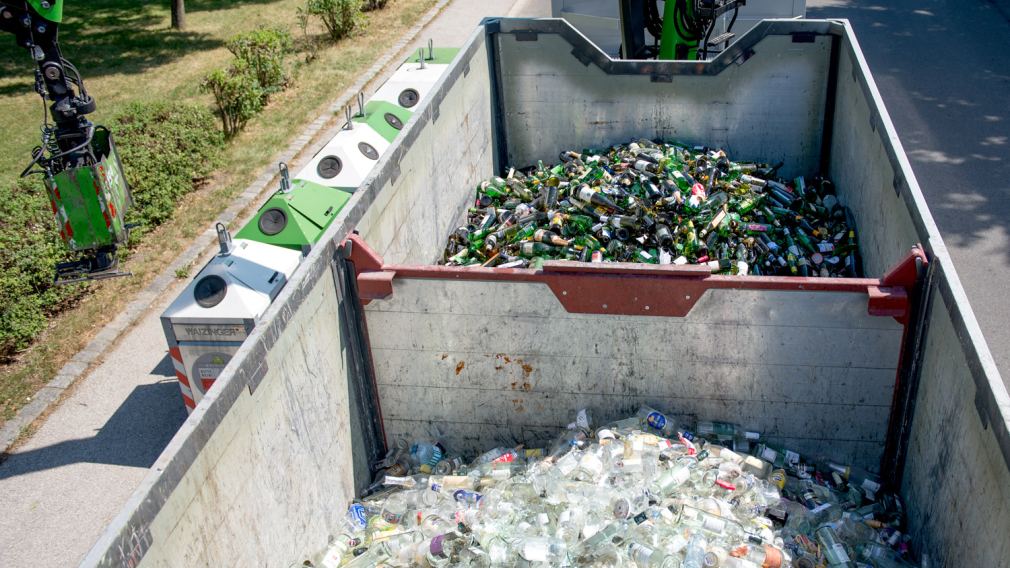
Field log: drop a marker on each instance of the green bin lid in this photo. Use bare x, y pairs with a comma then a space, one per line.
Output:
385, 118
442, 56
297, 218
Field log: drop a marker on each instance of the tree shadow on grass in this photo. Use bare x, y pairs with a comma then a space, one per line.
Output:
215, 5
18, 87
110, 37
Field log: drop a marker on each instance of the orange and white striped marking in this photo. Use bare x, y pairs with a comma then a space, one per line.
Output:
180, 373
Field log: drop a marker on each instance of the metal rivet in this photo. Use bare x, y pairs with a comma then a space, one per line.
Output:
687, 297
604, 306
646, 308
564, 292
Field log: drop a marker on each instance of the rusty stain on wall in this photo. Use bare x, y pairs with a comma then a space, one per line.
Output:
501, 360
527, 368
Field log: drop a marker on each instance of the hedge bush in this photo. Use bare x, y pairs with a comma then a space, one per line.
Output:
339, 17
165, 148
237, 94
30, 248
265, 50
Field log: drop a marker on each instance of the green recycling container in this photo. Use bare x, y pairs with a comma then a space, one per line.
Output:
385, 118
296, 218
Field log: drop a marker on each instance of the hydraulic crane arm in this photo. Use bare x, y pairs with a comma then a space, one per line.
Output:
83, 176
682, 29
35, 25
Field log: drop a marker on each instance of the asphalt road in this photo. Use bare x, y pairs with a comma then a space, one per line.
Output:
943, 69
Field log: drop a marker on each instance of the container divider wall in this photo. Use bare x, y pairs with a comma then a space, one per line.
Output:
487, 360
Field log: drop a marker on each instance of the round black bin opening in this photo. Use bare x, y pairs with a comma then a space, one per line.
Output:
273, 221
329, 167
408, 98
394, 121
210, 290
368, 150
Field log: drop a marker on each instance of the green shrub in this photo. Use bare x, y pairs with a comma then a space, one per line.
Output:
165, 148
369, 5
264, 49
30, 248
339, 17
237, 94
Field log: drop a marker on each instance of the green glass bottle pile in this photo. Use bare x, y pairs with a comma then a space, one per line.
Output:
640, 492
659, 203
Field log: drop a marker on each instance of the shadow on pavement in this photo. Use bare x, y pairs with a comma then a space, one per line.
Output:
134, 436
164, 368
944, 76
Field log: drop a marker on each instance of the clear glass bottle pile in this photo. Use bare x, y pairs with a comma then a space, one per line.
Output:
659, 203
636, 493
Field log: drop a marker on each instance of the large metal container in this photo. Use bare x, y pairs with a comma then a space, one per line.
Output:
891, 370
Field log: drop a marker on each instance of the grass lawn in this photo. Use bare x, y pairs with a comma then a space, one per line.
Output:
126, 52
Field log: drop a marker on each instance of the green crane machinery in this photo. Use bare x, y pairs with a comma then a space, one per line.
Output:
682, 29
77, 158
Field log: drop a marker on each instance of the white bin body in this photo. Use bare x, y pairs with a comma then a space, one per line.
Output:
342, 162
202, 338
410, 76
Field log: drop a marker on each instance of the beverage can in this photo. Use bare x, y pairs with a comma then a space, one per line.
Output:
356, 515
656, 420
